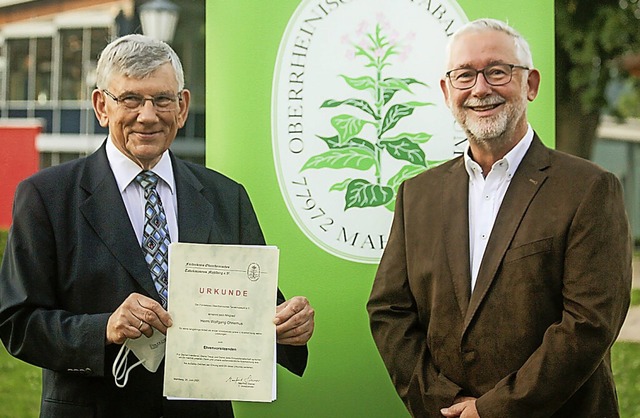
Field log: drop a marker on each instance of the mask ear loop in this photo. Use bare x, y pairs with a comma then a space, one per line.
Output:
119, 369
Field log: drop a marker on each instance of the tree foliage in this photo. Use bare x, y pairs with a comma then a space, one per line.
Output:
591, 39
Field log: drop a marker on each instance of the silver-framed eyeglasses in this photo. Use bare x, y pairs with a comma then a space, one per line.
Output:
494, 74
135, 102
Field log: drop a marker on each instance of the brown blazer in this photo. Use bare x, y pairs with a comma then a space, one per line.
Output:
533, 338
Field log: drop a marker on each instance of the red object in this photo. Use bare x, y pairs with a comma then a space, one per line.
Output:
18, 160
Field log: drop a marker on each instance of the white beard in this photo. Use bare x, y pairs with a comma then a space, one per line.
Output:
485, 129
496, 131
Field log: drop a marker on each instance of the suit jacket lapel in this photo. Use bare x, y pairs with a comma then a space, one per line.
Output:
456, 218
105, 212
196, 215
526, 182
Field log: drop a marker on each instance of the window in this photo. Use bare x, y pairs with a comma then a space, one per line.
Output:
99, 39
18, 53
49, 73
71, 68
43, 70
29, 69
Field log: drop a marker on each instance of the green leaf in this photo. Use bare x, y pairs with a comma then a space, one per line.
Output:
418, 138
334, 143
361, 193
331, 103
414, 81
359, 142
390, 92
391, 206
357, 158
347, 126
393, 116
361, 52
395, 84
331, 141
361, 83
417, 104
388, 95
358, 103
403, 174
340, 186
404, 149
391, 51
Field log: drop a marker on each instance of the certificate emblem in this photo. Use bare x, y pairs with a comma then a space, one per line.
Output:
357, 109
253, 272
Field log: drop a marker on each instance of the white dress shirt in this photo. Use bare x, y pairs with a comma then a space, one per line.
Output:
125, 172
486, 195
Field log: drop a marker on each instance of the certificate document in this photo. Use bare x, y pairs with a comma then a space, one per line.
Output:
222, 301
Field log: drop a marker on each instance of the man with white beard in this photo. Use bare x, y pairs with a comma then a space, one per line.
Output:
507, 273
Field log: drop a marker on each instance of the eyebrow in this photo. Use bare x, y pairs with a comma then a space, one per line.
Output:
468, 65
136, 93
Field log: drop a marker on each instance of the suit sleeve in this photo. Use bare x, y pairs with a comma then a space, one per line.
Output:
399, 332
293, 358
595, 298
32, 326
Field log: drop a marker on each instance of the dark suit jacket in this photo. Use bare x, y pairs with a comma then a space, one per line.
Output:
72, 258
533, 338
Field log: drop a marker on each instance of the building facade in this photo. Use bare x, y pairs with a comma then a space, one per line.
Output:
48, 55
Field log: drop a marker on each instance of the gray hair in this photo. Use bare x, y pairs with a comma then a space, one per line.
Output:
136, 56
523, 51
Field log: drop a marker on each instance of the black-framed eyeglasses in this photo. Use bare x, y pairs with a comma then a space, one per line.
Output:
494, 74
134, 102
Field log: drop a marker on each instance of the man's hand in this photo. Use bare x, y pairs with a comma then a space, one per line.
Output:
464, 407
294, 321
134, 317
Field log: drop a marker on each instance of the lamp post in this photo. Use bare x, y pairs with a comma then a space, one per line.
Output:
159, 19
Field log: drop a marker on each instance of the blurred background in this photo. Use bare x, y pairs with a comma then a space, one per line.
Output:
48, 54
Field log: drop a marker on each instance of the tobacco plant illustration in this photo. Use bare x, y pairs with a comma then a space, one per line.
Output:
350, 148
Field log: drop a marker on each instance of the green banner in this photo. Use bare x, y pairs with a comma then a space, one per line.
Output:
285, 82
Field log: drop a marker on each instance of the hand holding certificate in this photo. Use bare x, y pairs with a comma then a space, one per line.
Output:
222, 301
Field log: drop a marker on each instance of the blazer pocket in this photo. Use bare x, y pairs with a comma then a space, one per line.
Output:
536, 247
60, 409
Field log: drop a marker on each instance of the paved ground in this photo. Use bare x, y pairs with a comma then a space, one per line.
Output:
631, 328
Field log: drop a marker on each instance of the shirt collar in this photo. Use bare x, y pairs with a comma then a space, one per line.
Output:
513, 157
125, 170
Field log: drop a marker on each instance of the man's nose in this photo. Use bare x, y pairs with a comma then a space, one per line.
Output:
482, 87
147, 110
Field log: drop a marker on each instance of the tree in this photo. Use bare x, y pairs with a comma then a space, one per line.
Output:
591, 38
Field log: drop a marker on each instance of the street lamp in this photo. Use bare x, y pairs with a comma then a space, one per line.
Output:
159, 19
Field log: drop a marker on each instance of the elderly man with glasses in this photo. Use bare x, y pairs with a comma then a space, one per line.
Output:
85, 265
507, 273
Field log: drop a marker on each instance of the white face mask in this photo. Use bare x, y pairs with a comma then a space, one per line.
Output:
150, 352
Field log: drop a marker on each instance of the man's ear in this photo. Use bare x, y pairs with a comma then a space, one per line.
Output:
533, 84
99, 107
445, 90
184, 107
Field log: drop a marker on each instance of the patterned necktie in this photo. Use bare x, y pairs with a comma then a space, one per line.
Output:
155, 241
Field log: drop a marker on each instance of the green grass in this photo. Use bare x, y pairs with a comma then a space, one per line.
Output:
625, 361
20, 382
635, 297
20, 385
